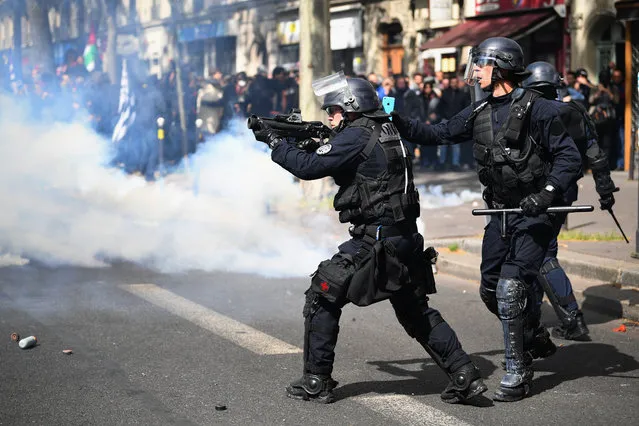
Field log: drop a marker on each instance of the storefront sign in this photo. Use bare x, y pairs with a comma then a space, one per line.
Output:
346, 30
288, 32
440, 10
497, 6
202, 31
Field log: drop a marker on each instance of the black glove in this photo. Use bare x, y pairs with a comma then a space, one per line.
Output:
536, 204
268, 136
308, 145
402, 124
607, 201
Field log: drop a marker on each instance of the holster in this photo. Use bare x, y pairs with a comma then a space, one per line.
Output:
379, 271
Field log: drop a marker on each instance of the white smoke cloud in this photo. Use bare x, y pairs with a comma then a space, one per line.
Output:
433, 197
62, 205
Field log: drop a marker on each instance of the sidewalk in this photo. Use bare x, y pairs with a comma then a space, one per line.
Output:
601, 270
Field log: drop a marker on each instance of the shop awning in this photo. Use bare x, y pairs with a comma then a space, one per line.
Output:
627, 10
474, 31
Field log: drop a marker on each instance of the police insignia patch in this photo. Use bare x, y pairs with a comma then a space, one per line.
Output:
324, 149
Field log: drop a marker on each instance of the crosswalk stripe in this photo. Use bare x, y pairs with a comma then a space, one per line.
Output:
406, 410
223, 326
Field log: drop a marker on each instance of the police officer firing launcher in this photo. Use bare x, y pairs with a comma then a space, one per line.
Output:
385, 257
525, 159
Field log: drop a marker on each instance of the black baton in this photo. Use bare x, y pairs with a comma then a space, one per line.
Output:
505, 212
618, 224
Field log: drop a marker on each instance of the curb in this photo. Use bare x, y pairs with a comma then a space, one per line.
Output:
608, 299
615, 272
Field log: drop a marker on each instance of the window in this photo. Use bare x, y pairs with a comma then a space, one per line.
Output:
449, 63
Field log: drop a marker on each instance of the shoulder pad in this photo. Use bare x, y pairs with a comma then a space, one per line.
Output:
518, 93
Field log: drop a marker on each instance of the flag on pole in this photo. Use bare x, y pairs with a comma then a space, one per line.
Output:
126, 108
90, 52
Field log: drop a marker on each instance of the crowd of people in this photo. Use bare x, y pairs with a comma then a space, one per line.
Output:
605, 102
212, 102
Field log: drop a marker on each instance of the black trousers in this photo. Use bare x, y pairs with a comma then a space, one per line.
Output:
420, 321
519, 256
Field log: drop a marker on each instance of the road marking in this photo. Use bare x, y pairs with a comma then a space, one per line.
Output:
407, 410
238, 333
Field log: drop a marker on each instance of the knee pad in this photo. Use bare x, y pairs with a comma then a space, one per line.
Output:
557, 282
550, 264
511, 296
489, 298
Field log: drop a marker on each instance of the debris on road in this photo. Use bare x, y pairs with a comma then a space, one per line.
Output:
15, 337
28, 342
67, 351
220, 407
620, 329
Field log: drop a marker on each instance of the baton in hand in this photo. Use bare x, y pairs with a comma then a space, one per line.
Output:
618, 225
504, 213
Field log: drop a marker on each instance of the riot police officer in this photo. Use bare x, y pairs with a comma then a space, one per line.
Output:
384, 258
525, 159
545, 79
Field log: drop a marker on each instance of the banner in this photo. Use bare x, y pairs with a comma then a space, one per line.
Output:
499, 6
126, 109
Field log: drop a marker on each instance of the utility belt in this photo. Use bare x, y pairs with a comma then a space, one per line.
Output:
378, 270
370, 234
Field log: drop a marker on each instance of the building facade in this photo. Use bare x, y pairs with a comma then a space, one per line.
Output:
382, 36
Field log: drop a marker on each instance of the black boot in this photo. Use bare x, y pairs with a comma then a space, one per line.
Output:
514, 387
573, 329
541, 345
466, 383
313, 387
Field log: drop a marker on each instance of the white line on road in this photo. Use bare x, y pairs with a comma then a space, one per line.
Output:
238, 333
406, 410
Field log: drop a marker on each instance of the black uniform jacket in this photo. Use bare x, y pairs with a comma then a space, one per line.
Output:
341, 157
545, 128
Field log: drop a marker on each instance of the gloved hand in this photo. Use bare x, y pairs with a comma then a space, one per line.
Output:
536, 204
308, 145
402, 124
268, 136
607, 201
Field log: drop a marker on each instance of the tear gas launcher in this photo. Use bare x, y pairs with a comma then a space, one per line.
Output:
290, 126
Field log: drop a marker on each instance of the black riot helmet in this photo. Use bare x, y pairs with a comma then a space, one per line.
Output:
352, 95
541, 74
504, 54
544, 78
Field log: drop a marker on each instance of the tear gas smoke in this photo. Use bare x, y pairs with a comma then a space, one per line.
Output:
62, 205
433, 197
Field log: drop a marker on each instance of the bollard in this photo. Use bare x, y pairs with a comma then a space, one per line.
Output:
199, 136
160, 123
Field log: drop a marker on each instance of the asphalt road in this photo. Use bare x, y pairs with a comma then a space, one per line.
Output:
159, 349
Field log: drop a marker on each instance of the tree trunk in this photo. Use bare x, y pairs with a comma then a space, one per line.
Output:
41, 35
315, 62
175, 13
81, 17
18, 13
315, 53
111, 60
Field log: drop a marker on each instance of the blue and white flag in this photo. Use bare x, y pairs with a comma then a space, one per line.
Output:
126, 108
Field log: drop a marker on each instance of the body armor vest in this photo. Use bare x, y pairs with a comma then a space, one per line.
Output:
509, 161
381, 190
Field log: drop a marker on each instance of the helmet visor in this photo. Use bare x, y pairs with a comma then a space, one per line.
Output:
477, 61
333, 90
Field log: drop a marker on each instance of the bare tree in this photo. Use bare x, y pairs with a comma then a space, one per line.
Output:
176, 13
38, 15
16, 8
110, 10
